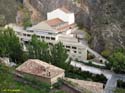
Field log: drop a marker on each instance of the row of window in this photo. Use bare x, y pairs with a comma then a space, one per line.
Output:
70, 47
42, 37
68, 50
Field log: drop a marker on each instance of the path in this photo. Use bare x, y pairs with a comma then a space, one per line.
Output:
94, 70
111, 76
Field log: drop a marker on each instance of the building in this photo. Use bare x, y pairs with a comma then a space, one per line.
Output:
41, 70
63, 14
56, 29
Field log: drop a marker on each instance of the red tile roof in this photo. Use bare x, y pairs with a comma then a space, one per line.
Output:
54, 22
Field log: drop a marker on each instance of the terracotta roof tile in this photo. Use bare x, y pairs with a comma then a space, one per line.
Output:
54, 22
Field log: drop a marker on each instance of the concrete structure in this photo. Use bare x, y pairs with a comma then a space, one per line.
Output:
56, 29
41, 70
63, 14
59, 27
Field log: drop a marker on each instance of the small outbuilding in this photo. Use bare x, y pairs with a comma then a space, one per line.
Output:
41, 70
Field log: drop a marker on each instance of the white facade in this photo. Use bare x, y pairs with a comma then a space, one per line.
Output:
65, 16
53, 35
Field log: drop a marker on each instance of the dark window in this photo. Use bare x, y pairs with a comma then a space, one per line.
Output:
38, 36
24, 34
28, 35
74, 51
52, 38
47, 37
67, 46
68, 50
42, 37
73, 47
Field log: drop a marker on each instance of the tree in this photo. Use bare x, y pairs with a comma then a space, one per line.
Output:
59, 56
38, 49
117, 61
10, 45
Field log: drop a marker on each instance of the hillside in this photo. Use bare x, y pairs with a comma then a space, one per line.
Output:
103, 18
8, 10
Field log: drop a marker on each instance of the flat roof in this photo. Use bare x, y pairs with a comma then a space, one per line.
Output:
65, 10
39, 68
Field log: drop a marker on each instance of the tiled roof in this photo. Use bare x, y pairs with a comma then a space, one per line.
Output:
55, 22
39, 68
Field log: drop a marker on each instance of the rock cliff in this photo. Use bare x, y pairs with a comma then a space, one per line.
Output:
8, 10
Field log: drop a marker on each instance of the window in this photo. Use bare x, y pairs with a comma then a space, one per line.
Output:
73, 47
67, 46
42, 37
68, 50
24, 34
52, 38
75, 52
38, 36
50, 43
28, 35
47, 37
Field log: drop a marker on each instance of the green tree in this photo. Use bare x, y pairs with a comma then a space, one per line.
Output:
10, 45
59, 56
117, 61
38, 49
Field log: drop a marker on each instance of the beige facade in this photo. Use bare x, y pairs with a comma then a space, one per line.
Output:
55, 30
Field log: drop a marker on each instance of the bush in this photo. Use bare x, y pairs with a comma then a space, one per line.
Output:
76, 73
58, 84
106, 53
120, 84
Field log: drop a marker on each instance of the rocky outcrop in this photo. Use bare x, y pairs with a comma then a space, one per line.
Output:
108, 25
8, 10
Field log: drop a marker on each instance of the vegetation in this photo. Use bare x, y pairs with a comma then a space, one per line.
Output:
9, 84
10, 45
106, 53
117, 61
119, 90
55, 54
76, 73
26, 18
38, 49
59, 56
120, 87
93, 65
120, 84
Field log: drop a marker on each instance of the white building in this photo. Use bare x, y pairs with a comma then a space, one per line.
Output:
63, 14
58, 28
